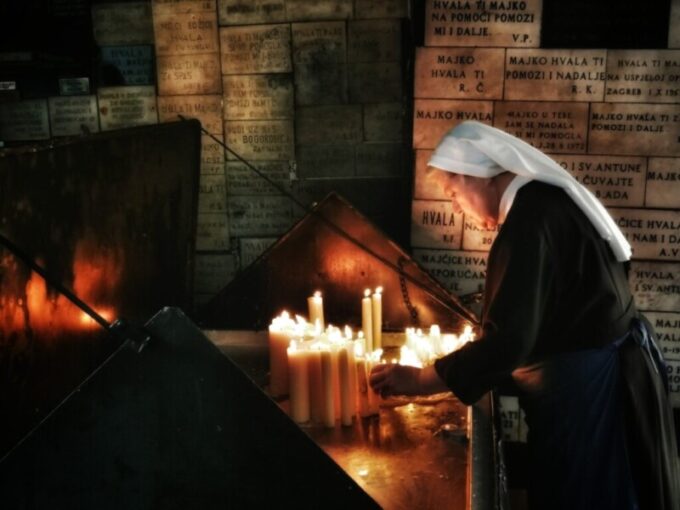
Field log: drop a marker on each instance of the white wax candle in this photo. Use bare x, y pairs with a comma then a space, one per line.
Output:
335, 374
377, 318
327, 389
315, 306
367, 319
362, 388
315, 385
347, 398
299, 383
278, 361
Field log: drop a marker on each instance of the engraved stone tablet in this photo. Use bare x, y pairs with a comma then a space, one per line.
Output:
242, 180
268, 140
212, 232
550, 127
476, 238
260, 216
212, 194
653, 235
186, 34
375, 82
256, 49
134, 64
319, 43
213, 271
374, 40
380, 159
251, 12
424, 187
615, 180
459, 73
638, 129
483, 23
121, 107
663, 183
24, 120
189, 74
381, 9
212, 155
301, 10
328, 124
643, 76
261, 96
251, 248
325, 160
656, 285
122, 23
168, 7
461, 272
432, 118
674, 25
75, 115
72, 86
320, 83
555, 75
207, 109
674, 382
667, 327
384, 122
434, 225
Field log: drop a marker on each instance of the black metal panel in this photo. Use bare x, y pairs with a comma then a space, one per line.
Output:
176, 426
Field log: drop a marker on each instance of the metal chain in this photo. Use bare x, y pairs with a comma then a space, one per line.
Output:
404, 292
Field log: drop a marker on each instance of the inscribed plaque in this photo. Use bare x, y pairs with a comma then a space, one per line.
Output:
381, 9
319, 42
550, 127
122, 23
213, 271
189, 74
667, 327
168, 7
212, 155
72, 86
329, 124
476, 238
653, 234
509, 417
121, 107
74, 115
260, 216
483, 23
434, 225
375, 82
212, 194
256, 49
207, 109
325, 160
674, 25
674, 382
384, 122
24, 120
134, 64
186, 34
252, 247
301, 10
261, 96
424, 187
380, 159
432, 118
663, 183
615, 180
374, 40
251, 12
638, 129
643, 76
459, 73
555, 75
242, 180
320, 83
656, 285
461, 272
269, 140
212, 232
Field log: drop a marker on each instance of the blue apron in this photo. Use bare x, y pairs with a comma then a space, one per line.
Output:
577, 438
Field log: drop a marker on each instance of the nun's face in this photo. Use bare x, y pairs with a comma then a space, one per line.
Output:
476, 197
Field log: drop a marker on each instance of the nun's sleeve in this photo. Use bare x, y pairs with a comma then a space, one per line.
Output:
519, 278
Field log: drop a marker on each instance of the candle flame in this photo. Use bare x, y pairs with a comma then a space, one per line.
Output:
367, 292
378, 290
317, 294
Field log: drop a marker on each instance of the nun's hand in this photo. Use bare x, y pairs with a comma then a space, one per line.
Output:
392, 379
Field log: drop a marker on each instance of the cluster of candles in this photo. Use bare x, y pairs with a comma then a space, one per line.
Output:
325, 370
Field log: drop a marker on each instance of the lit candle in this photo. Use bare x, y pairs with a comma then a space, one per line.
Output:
299, 383
327, 389
373, 359
377, 319
347, 398
316, 397
362, 381
367, 319
315, 305
278, 360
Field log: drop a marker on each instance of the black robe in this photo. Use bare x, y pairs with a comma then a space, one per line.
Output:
553, 286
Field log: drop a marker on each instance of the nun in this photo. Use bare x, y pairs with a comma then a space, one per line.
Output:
559, 328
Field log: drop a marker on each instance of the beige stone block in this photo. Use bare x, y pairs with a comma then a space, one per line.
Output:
251, 12
614, 180
255, 97
319, 42
74, 115
424, 187
555, 75
206, 108
643, 76
476, 238
304, 10
636, 129
655, 285
374, 40
667, 328
24, 120
328, 124
256, 49
320, 84
250, 248
380, 159
653, 234
483, 24
434, 225
663, 183
461, 272
260, 140
375, 82
185, 34
180, 75
212, 232
121, 107
260, 216
550, 127
212, 194
325, 161
242, 180
674, 25
168, 7
433, 118
212, 154
122, 23
459, 73
674, 383
381, 9
384, 122
213, 271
